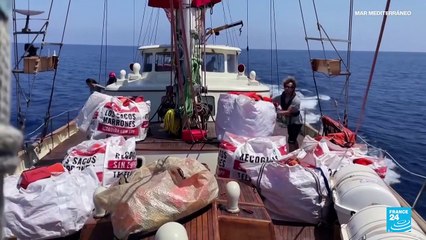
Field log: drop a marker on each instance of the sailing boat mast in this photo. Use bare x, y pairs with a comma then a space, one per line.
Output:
184, 23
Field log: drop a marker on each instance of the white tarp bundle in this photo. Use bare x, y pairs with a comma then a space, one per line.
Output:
53, 207
235, 150
104, 116
242, 115
111, 158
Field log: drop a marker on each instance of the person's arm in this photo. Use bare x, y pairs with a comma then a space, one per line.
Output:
292, 110
287, 112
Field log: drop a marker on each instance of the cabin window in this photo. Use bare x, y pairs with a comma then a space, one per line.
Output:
231, 63
163, 62
214, 62
147, 62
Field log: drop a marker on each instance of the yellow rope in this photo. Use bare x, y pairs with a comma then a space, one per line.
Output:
171, 122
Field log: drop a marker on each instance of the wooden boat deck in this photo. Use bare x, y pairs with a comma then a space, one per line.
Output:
157, 140
210, 223
202, 225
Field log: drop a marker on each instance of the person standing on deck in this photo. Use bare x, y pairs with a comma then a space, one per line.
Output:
111, 78
289, 110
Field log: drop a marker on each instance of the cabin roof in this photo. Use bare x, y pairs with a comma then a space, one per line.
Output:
153, 48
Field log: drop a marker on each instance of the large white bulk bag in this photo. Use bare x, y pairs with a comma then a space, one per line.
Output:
103, 116
235, 150
111, 158
49, 208
242, 115
85, 116
292, 193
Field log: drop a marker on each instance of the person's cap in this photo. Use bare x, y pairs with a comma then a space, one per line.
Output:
112, 74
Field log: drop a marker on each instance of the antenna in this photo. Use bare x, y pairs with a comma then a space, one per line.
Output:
28, 13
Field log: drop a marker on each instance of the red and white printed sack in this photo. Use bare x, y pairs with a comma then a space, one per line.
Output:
111, 158
127, 117
235, 150
103, 116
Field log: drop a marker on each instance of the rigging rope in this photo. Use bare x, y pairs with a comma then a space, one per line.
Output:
319, 27
226, 22
276, 44
346, 64
47, 117
152, 33
373, 67
134, 23
149, 24
20, 91
247, 24
234, 37
140, 34
156, 26
17, 88
392, 158
103, 37
270, 37
310, 56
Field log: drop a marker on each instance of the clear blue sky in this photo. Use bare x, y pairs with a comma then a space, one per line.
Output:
403, 33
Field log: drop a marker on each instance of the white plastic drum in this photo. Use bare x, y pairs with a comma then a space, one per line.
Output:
370, 223
356, 171
357, 187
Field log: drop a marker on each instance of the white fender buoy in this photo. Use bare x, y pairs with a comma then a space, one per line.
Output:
136, 68
252, 75
122, 74
171, 231
233, 192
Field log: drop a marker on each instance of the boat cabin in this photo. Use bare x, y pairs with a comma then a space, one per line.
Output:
215, 58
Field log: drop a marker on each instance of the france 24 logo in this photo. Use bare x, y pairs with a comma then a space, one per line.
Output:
398, 219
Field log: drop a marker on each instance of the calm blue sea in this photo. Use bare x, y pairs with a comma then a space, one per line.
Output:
395, 113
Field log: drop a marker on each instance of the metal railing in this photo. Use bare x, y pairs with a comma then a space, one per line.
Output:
389, 156
30, 136
384, 153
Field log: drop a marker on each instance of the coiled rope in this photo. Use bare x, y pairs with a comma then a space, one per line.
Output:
171, 122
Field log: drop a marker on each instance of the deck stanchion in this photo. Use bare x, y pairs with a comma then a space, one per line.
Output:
419, 194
